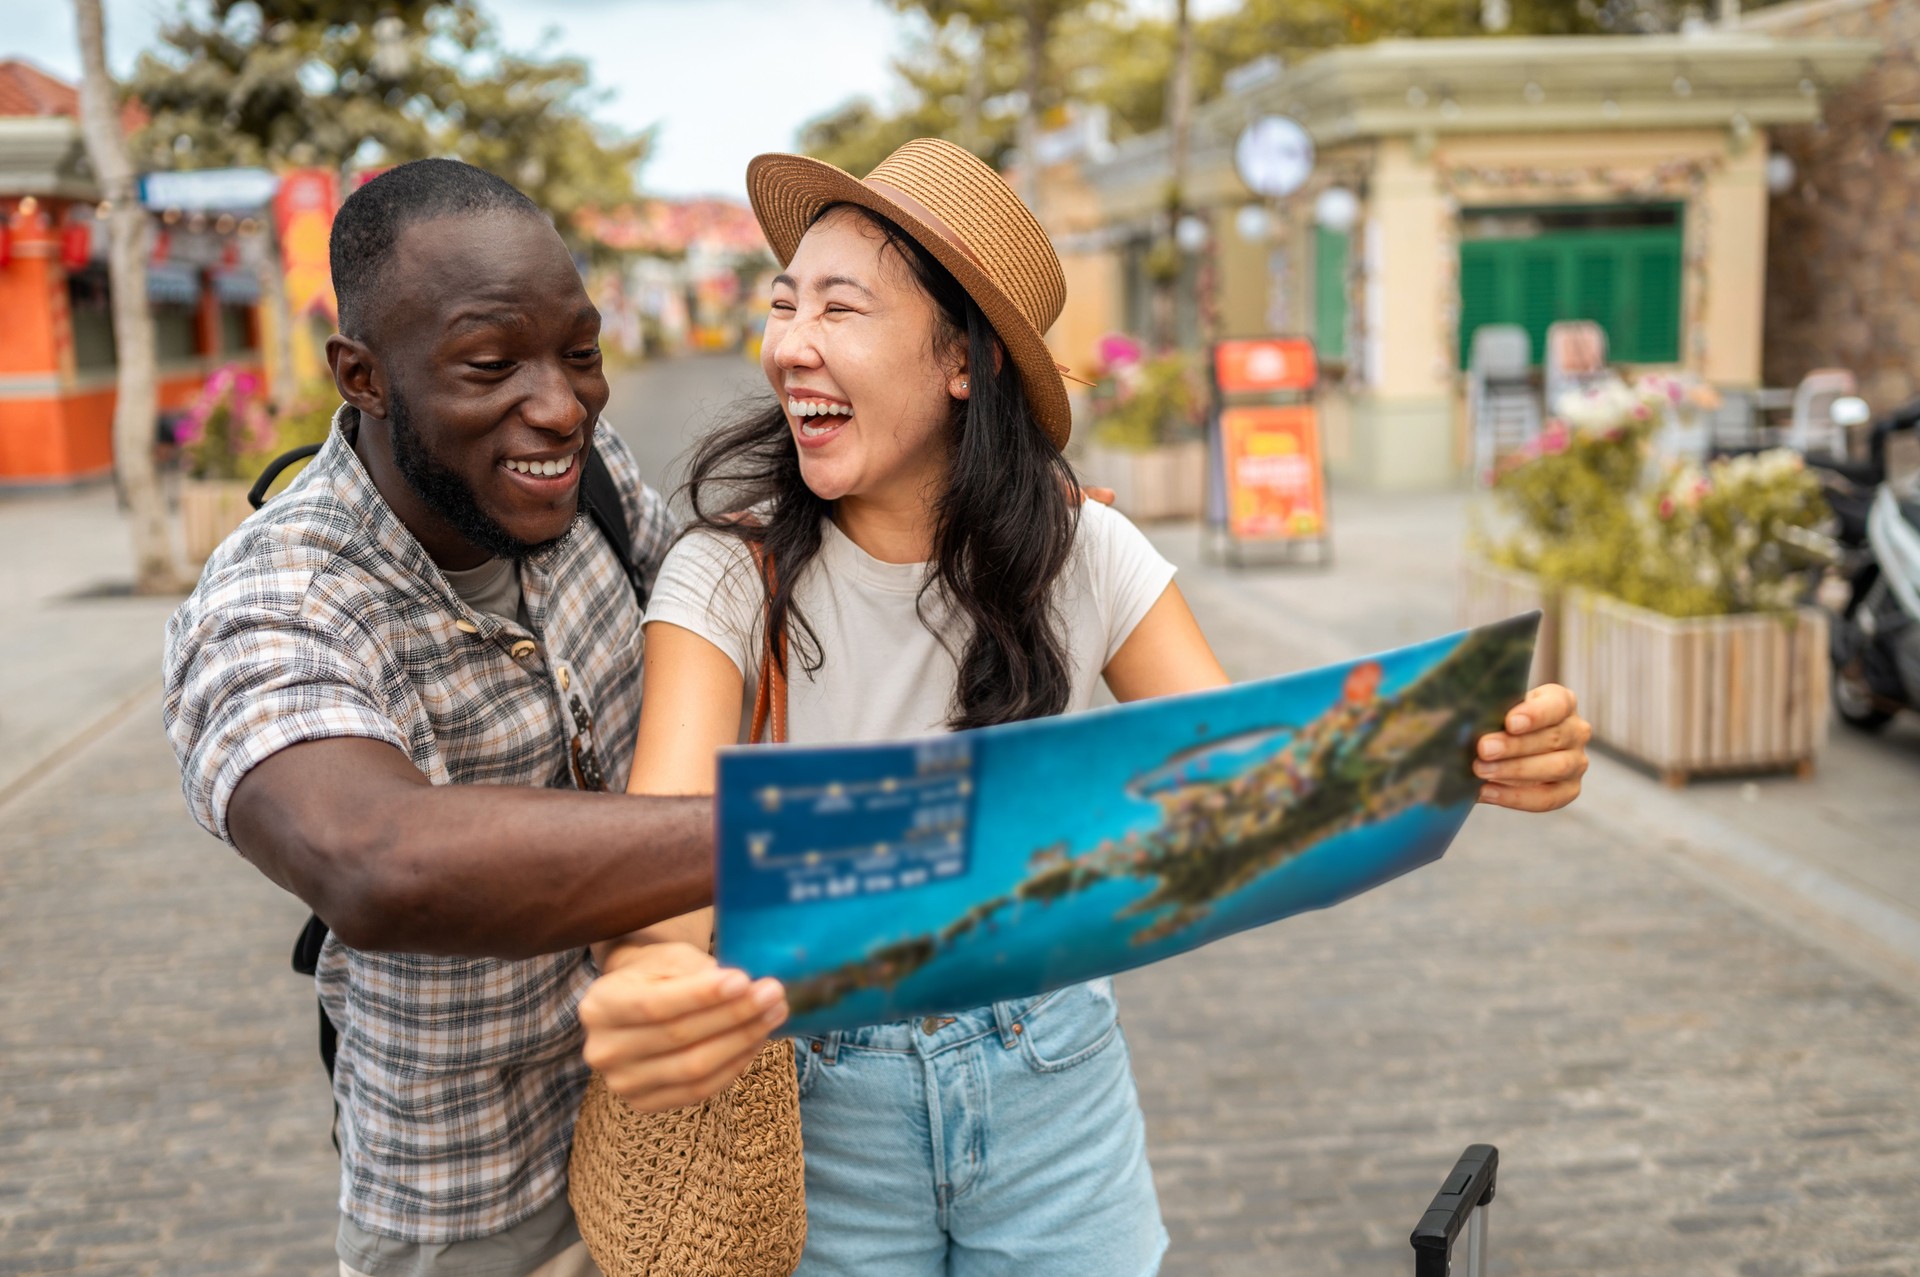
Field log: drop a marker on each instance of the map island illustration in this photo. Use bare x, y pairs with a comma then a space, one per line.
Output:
902, 878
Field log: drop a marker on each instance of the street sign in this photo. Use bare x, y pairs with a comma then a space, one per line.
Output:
1273, 481
1262, 365
218, 190
1266, 486
1274, 156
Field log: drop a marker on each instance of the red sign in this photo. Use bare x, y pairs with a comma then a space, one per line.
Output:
303, 212
1275, 491
1263, 365
76, 246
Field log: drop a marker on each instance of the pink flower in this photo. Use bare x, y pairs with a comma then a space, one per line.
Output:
1117, 350
1554, 439
1666, 507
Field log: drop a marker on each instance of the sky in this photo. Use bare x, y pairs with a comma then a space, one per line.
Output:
723, 79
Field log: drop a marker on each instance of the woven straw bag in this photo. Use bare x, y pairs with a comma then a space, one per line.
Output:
711, 1190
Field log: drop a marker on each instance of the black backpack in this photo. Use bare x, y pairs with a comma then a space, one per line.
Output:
602, 497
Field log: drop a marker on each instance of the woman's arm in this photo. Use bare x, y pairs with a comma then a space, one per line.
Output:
1536, 764
664, 1023
1165, 655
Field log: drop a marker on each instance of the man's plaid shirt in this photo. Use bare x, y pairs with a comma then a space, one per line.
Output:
457, 1078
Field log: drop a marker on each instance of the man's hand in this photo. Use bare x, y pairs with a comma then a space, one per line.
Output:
1537, 763
668, 1027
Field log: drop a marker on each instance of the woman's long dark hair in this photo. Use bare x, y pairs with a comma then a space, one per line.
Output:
1003, 528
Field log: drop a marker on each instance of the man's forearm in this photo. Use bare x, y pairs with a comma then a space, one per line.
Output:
478, 870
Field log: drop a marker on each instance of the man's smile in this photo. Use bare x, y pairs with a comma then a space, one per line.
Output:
546, 474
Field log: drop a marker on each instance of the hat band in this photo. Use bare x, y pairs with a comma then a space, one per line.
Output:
914, 208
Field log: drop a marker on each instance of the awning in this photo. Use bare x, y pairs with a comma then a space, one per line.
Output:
237, 288
172, 282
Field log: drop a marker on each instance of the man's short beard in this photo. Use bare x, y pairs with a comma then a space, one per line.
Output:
445, 492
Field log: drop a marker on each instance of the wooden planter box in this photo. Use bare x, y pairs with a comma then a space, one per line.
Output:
210, 509
1492, 593
1709, 694
1168, 482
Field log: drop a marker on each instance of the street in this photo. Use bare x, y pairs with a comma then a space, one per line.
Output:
1689, 1020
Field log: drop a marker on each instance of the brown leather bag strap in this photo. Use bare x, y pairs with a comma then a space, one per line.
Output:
770, 693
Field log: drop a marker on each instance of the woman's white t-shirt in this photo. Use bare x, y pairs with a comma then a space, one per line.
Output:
884, 674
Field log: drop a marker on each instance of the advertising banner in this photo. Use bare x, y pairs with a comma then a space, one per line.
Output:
303, 215
894, 879
1264, 365
220, 190
1274, 487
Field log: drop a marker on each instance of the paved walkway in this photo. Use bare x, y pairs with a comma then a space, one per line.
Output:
1687, 1070
1691, 1066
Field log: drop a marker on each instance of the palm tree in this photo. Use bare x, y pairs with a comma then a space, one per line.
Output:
137, 396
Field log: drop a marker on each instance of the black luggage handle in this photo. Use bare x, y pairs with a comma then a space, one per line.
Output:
257, 494
1468, 1188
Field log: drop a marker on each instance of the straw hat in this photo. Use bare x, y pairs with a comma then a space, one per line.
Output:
960, 211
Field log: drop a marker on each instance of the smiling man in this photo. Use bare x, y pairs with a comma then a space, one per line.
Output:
402, 691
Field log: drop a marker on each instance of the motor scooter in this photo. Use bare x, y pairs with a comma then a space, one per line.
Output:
1875, 633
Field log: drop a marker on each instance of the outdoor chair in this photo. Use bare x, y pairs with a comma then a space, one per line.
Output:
1735, 425
1576, 357
1501, 408
1812, 429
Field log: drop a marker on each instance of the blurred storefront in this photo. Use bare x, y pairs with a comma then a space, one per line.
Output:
1843, 246
57, 360
681, 275
1460, 183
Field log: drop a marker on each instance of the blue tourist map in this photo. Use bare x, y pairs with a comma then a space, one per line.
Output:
886, 880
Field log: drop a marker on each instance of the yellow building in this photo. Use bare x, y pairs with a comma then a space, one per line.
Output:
1460, 183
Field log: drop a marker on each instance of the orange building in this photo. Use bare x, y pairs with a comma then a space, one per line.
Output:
57, 364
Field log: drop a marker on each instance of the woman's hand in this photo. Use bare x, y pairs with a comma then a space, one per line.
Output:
668, 1027
1537, 763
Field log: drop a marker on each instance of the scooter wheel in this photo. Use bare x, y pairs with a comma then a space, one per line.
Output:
1856, 704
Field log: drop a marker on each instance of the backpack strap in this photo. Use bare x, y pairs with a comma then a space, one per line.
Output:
770, 693
601, 496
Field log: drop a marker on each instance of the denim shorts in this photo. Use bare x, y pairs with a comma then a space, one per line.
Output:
998, 1141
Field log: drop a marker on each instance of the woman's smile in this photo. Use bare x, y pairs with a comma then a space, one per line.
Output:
817, 418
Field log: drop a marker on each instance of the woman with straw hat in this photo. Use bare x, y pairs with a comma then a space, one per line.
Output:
897, 534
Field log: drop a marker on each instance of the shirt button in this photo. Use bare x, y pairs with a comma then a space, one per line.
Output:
465, 626
523, 649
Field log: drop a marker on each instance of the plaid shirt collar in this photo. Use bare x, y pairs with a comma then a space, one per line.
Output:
355, 489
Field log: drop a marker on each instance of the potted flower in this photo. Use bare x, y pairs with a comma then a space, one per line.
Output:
1148, 441
1694, 653
1679, 586
223, 439
1552, 499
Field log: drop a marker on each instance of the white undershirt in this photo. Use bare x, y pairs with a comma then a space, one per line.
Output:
885, 675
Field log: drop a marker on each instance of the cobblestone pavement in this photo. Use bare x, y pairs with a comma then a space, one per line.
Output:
1679, 1085
162, 1105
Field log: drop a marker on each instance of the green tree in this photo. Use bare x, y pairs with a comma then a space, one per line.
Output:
982, 73
971, 64
335, 83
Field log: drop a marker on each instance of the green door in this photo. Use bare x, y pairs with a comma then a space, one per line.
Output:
1625, 279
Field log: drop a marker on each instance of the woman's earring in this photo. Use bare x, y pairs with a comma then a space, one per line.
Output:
963, 383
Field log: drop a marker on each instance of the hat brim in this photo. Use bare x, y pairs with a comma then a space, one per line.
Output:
789, 191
